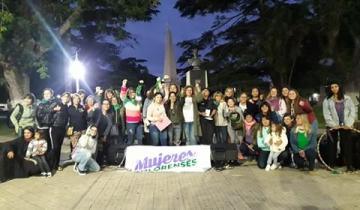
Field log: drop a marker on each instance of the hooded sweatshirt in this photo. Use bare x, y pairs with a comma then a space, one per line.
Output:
86, 143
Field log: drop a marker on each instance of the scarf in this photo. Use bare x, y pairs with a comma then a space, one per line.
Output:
248, 127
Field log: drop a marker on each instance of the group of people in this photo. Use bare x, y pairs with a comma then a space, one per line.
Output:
275, 130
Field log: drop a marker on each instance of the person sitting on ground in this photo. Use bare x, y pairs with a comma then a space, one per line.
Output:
303, 143
84, 150
14, 164
248, 145
277, 140
36, 150
262, 134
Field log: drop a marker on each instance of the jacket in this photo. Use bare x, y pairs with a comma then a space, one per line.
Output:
220, 119
27, 117
77, 118
36, 148
294, 141
331, 116
43, 114
276, 138
60, 118
86, 145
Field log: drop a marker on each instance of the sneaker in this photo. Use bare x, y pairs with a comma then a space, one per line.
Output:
273, 166
48, 174
75, 168
81, 173
43, 174
267, 168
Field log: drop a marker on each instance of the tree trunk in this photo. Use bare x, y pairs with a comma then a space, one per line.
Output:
18, 84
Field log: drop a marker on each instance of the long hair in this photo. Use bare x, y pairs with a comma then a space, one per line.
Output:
329, 93
306, 125
297, 108
261, 126
265, 103
269, 94
278, 129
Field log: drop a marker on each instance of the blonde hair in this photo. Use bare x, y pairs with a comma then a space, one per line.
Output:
218, 93
306, 125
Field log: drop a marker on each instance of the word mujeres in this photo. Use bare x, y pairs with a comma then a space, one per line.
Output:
179, 159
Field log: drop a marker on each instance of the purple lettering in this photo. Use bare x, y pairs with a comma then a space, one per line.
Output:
182, 156
167, 159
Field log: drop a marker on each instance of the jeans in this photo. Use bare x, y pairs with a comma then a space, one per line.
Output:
189, 133
221, 134
85, 161
310, 155
273, 157
263, 158
134, 130
208, 126
235, 135
42, 163
156, 135
174, 133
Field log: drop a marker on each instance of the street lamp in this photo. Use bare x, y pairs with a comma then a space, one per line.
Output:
77, 71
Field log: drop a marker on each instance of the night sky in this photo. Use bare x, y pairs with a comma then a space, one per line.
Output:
151, 35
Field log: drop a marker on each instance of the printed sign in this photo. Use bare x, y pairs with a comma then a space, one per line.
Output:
168, 159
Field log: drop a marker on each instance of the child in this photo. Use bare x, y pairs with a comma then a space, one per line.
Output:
263, 132
277, 140
36, 150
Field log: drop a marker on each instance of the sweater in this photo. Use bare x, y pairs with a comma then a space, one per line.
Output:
132, 107
86, 144
275, 138
261, 137
294, 140
36, 148
220, 119
155, 112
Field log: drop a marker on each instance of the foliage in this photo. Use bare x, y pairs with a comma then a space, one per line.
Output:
309, 39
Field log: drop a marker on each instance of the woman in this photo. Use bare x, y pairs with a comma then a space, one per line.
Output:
235, 119
265, 110
156, 114
132, 104
104, 120
285, 94
255, 101
229, 93
303, 143
77, 120
90, 106
174, 113
221, 123
298, 105
207, 111
190, 113
83, 152
261, 135
339, 114
13, 161
277, 104
24, 113
119, 114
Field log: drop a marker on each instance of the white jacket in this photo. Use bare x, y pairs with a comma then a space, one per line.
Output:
220, 119
276, 138
86, 143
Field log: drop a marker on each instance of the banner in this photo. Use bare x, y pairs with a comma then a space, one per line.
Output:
168, 159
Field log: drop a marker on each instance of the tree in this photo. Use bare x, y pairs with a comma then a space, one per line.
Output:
29, 29
312, 39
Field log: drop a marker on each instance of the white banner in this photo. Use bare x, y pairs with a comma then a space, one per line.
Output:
165, 158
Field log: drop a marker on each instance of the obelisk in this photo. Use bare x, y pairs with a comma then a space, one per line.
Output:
169, 62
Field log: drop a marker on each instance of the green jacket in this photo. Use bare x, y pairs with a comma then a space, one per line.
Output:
27, 118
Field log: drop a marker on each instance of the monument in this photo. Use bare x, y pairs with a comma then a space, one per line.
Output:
170, 73
196, 74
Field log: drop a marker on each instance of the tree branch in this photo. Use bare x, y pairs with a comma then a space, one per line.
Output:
69, 21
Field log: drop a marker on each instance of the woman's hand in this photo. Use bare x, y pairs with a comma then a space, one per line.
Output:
10, 155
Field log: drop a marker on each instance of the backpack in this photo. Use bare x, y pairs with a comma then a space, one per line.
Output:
18, 116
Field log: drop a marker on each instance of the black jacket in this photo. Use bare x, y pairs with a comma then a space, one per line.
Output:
103, 122
60, 118
78, 118
44, 113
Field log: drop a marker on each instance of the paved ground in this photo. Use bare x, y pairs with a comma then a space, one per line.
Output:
244, 187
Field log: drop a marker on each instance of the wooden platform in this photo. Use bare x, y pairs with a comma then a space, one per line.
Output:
244, 187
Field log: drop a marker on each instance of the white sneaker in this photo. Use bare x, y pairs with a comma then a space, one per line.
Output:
49, 174
75, 169
43, 174
267, 168
273, 166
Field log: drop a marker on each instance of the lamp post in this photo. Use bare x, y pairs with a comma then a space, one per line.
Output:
77, 71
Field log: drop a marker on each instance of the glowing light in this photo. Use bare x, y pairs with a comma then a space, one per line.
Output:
77, 69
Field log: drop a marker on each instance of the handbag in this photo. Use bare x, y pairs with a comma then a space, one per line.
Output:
114, 131
70, 131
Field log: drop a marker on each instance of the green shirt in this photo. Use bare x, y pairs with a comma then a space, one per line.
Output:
303, 140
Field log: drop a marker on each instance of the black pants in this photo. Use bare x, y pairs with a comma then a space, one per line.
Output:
57, 135
262, 159
42, 163
285, 158
208, 130
310, 155
244, 149
346, 145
